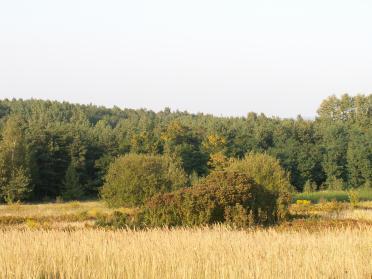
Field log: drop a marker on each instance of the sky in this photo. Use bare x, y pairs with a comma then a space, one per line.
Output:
227, 58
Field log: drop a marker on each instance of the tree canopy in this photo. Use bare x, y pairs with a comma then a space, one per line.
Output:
52, 136
134, 178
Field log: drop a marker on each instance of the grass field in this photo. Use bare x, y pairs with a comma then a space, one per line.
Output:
186, 253
54, 215
341, 196
325, 240
53, 209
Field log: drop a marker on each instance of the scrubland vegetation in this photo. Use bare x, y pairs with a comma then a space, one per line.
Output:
184, 196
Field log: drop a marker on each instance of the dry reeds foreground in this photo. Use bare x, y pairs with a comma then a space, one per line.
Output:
186, 253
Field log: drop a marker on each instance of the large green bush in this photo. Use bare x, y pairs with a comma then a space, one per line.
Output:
222, 197
133, 178
266, 171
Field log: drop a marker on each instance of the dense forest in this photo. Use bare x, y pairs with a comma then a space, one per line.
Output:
50, 149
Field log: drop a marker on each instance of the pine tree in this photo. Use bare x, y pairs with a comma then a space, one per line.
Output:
17, 186
14, 165
72, 187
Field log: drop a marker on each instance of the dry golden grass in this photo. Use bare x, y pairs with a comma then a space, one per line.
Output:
334, 244
52, 209
366, 205
335, 210
54, 215
186, 253
356, 214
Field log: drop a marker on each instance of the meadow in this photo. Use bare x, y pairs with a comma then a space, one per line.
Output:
329, 195
186, 253
61, 240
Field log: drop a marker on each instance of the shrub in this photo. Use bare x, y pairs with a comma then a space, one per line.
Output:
72, 188
353, 198
334, 183
367, 185
303, 202
132, 179
237, 216
222, 197
120, 220
18, 185
309, 186
265, 170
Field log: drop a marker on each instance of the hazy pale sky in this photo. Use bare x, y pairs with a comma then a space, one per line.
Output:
222, 57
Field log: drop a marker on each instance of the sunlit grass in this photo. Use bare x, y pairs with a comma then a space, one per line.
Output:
326, 240
55, 215
363, 194
186, 253
51, 209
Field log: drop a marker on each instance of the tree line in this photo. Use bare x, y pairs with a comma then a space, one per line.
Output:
50, 149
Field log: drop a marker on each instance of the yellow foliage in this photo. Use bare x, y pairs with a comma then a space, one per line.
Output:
218, 161
32, 224
303, 202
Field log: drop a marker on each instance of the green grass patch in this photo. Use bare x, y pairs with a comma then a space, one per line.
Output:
341, 196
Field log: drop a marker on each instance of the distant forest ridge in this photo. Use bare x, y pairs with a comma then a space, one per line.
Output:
43, 141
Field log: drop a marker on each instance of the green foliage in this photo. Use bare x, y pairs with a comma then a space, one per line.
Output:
335, 139
14, 166
221, 197
72, 188
353, 197
367, 185
54, 135
265, 170
120, 220
334, 183
310, 186
17, 186
345, 129
341, 196
238, 216
133, 178
296, 145
359, 156
183, 144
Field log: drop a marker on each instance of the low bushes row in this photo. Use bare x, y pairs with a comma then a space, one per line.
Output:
252, 191
223, 197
